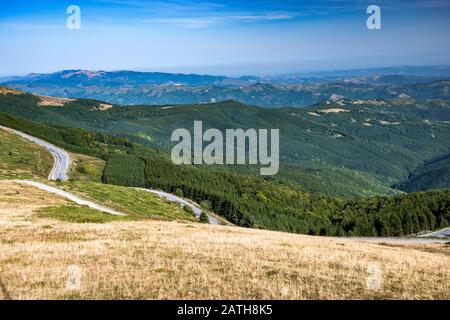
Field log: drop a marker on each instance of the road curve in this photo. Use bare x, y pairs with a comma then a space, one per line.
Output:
62, 159
69, 196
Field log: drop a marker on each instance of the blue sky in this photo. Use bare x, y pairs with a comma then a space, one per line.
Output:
221, 37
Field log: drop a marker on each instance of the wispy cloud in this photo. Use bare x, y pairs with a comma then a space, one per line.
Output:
198, 14
416, 4
164, 7
202, 22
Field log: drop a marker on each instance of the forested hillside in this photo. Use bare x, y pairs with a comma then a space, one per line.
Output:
245, 200
434, 174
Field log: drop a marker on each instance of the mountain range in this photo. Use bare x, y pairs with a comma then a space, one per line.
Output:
293, 90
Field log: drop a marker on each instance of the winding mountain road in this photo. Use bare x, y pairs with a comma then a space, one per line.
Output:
61, 167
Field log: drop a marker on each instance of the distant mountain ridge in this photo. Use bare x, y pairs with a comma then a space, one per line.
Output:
114, 78
160, 78
296, 90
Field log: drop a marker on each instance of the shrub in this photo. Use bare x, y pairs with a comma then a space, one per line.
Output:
178, 192
81, 168
188, 209
204, 217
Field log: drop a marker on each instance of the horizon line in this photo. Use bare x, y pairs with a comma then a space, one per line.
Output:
161, 70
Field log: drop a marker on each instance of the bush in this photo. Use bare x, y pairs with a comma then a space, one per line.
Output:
178, 192
204, 217
81, 169
188, 209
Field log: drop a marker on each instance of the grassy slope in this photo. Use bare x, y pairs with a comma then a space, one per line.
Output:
21, 159
138, 204
77, 214
86, 168
161, 260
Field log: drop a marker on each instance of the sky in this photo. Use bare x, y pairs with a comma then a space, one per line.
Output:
226, 37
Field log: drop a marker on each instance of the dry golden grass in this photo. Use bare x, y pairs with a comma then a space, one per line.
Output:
19, 201
53, 101
6, 90
169, 260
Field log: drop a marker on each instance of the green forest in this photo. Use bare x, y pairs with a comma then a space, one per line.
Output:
257, 203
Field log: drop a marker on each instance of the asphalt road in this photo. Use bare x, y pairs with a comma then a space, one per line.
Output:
62, 159
393, 240
440, 234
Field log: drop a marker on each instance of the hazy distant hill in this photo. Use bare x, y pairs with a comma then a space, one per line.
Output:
297, 90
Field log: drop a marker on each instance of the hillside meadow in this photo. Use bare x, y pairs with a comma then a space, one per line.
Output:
172, 260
